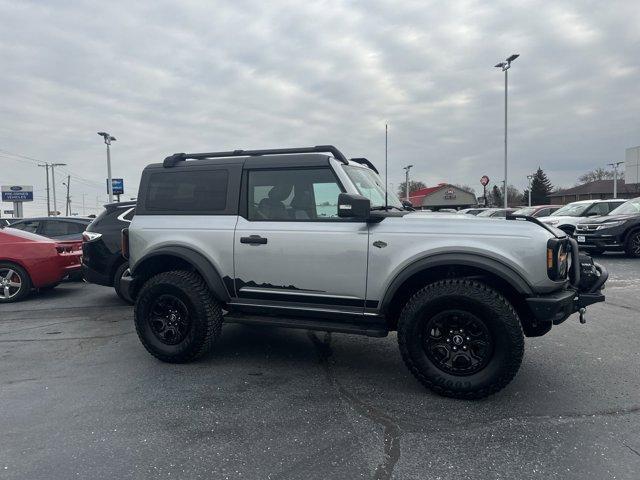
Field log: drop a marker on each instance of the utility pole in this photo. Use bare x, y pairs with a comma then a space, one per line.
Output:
46, 166
615, 177
505, 67
529, 177
406, 181
53, 184
107, 141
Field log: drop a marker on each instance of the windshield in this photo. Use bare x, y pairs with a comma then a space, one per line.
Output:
369, 185
571, 210
525, 211
632, 207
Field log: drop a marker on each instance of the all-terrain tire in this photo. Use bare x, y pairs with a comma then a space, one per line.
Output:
632, 245
479, 301
204, 312
20, 276
117, 278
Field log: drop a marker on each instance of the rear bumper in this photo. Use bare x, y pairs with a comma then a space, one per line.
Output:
93, 276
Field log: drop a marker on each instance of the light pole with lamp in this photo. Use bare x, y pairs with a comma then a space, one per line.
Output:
529, 177
107, 141
406, 181
505, 67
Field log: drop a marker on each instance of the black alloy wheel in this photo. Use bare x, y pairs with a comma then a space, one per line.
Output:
169, 319
457, 342
633, 245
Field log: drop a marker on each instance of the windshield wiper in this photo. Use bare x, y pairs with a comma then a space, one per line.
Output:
382, 207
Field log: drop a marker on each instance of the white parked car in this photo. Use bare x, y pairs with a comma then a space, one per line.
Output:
568, 216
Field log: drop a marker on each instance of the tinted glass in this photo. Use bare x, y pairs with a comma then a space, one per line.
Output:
599, 208
28, 226
129, 215
192, 191
632, 207
571, 210
59, 228
288, 194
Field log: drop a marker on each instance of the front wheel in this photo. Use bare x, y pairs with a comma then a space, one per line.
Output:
632, 245
176, 317
461, 338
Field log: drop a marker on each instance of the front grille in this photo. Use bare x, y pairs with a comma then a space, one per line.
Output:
587, 228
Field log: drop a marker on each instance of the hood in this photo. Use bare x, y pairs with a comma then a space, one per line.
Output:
607, 218
560, 218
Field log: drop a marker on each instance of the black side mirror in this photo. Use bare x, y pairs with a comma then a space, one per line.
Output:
351, 205
408, 205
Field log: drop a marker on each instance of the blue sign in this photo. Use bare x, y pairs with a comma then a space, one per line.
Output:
117, 184
17, 193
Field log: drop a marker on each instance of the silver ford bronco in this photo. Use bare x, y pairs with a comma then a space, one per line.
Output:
306, 238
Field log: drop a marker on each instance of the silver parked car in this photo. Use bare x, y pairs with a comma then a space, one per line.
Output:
304, 238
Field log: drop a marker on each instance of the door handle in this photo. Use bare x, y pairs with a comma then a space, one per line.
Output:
254, 240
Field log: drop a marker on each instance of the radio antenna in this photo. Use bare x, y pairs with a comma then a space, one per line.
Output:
386, 169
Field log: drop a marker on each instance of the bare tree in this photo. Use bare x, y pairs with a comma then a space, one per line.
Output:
598, 174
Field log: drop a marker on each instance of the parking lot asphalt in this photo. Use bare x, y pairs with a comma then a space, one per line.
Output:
81, 398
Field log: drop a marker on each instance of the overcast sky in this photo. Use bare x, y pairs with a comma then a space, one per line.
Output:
167, 77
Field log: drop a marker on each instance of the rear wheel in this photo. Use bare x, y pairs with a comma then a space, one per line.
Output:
117, 282
461, 338
177, 319
632, 245
15, 283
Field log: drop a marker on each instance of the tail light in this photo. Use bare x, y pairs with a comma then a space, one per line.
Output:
64, 248
90, 236
125, 243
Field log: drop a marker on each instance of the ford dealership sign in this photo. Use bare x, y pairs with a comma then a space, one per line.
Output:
17, 193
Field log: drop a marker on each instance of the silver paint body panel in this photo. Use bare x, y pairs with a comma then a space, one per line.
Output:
336, 262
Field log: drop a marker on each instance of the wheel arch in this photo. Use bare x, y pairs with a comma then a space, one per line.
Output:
431, 269
177, 257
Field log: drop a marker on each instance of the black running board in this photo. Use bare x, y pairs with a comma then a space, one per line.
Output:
309, 324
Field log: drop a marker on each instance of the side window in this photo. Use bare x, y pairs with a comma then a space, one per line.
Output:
543, 212
58, 228
293, 194
196, 191
28, 226
614, 205
127, 215
601, 208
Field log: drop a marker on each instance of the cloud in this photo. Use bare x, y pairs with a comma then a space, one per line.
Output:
165, 77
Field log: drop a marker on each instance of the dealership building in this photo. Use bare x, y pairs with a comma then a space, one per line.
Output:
443, 195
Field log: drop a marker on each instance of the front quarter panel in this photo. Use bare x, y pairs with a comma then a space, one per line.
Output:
520, 246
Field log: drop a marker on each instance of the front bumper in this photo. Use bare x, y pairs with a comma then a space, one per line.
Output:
556, 307
598, 241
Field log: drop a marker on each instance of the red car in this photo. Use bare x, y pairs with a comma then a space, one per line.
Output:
30, 261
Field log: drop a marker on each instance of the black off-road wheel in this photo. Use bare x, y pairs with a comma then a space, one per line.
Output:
15, 283
177, 319
117, 279
461, 338
632, 245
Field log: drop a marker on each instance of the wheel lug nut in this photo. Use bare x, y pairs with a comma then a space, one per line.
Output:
468, 338
455, 348
464, 347
448, 340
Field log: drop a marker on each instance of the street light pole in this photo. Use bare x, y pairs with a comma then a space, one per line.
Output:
529, 177
505, 67
107, 141
615, 177
406, 181
53, 185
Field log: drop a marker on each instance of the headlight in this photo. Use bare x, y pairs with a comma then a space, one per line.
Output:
610, 225
557, 259
553, 223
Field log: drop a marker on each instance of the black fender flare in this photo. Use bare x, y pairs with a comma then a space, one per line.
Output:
200, 264
488, 264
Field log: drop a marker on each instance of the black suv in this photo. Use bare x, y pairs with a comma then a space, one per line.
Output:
619, 230
58, 228
102, 260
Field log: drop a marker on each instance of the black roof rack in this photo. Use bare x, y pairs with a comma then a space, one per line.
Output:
172, 160
364, 161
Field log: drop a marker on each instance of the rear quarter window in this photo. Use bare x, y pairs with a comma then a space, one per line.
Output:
187, 191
